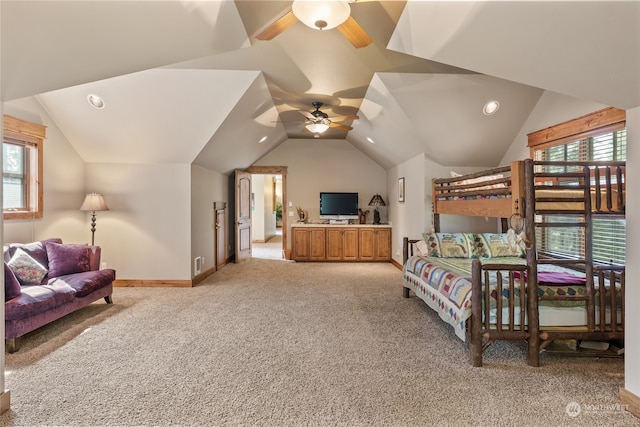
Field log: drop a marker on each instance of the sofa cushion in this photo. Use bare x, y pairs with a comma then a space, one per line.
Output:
66, 259
36, 250
11, 284
28, 271
88, 281
38, 299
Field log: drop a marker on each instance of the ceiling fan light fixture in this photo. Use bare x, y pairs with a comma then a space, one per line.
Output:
321, 15
316, 128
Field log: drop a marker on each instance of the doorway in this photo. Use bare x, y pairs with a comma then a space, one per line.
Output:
272, 181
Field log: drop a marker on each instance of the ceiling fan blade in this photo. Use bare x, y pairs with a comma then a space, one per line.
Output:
344, 118
354, 33
339, 126
278, 26
307, 114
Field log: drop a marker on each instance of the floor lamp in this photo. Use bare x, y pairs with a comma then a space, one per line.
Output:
94, 202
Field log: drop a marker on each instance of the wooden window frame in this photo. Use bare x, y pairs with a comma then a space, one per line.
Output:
602, 121
30, 135
607, 120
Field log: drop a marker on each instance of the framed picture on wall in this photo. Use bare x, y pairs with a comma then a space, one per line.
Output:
401, 190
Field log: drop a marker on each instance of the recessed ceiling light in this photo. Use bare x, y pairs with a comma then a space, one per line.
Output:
263, 139
96, 101
491, 107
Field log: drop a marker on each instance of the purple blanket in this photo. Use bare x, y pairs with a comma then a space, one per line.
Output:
550, 278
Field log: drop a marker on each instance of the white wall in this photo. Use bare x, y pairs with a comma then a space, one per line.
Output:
263, 217
632, 320
269, 213
415, 216
207, 187
408, 218
64, 184
552, 108
326, 165
146, 235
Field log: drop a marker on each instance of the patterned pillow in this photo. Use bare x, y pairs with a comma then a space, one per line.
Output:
480, 247
28, 271
422, 248
497, 245
449, 245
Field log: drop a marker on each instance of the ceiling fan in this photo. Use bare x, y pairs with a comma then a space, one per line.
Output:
320, 15
318, 121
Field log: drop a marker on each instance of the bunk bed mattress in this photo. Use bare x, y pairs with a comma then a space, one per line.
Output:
444, 284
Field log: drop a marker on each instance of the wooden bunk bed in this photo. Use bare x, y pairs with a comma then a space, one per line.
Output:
527, 193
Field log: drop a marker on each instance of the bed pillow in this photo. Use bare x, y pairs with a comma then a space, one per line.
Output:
479, 180
422, 248
67, 259
27, 270
449, 245
496, 245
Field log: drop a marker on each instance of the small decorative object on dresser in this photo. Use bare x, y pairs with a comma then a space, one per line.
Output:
302, 215
376, 201
363, 216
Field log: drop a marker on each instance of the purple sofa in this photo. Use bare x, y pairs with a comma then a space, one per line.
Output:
46, 280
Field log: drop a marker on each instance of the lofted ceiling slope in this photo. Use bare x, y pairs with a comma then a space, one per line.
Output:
186, 81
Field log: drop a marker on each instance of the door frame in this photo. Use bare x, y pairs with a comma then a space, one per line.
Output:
282, 171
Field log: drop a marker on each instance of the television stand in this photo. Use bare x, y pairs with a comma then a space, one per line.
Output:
338, 221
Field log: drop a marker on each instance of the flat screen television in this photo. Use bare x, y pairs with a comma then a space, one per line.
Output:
338, 206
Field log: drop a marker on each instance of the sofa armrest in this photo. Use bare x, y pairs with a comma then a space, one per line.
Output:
94, 258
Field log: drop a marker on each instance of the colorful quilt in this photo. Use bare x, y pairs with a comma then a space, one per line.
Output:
445, 285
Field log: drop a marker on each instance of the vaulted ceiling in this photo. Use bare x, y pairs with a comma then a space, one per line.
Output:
187, 81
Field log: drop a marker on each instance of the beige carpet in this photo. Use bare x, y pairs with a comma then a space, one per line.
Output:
271, 249
291, 344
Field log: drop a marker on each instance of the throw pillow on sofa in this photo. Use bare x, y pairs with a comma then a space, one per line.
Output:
11, 284
27, 270
67, 258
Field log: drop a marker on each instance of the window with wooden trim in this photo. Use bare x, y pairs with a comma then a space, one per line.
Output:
22, 169
598, 136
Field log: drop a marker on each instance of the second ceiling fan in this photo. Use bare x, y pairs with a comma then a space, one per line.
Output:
320, 15
318, 121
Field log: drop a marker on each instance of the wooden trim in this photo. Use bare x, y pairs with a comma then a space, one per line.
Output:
631, 400
5, 401
32, 136
14, 124
200, 277
282, 171
267, 170
575, 127
396, 264
127, 283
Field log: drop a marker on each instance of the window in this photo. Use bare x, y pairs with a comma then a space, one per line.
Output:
22, 169
599, 136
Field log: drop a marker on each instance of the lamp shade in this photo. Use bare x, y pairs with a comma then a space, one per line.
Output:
377, 201
94, 202
321, 15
